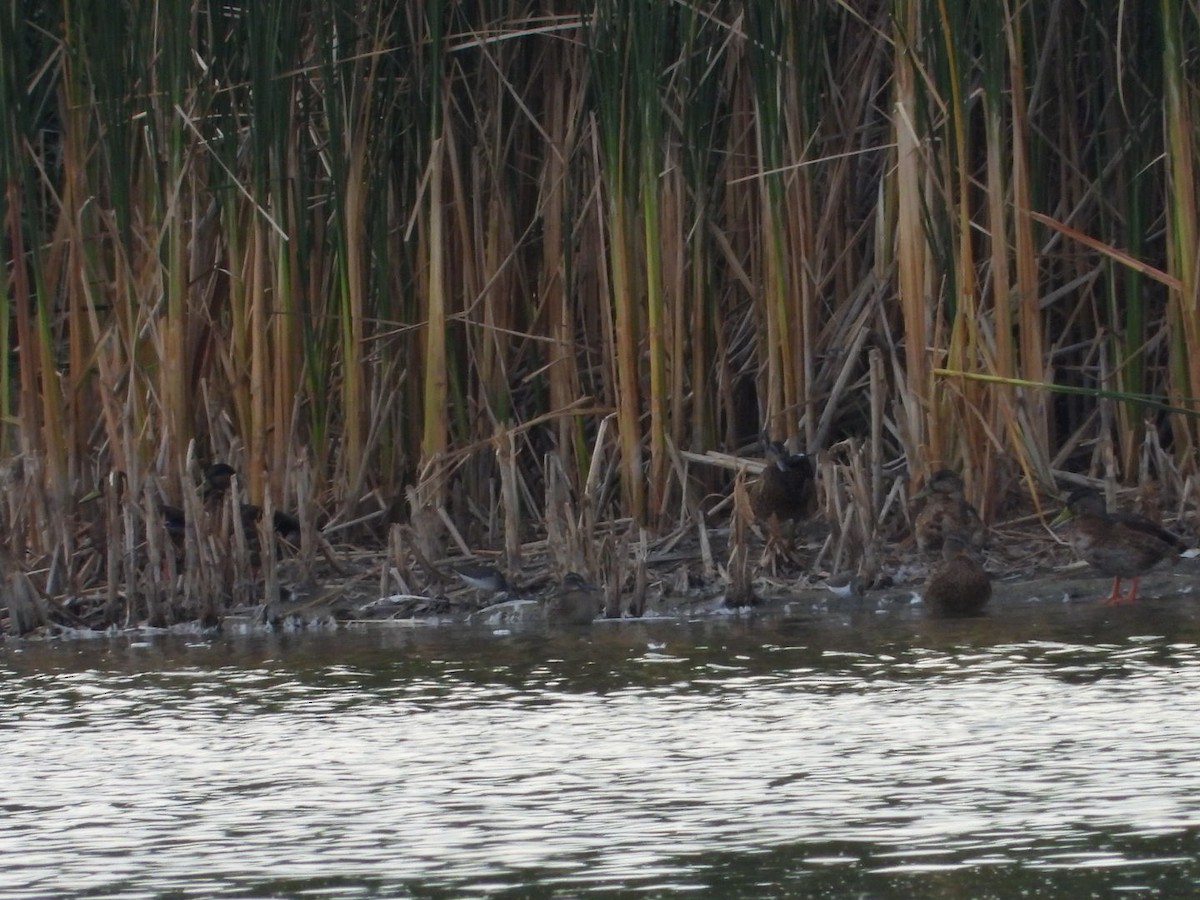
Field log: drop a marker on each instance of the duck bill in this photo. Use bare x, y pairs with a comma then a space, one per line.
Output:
1064, 516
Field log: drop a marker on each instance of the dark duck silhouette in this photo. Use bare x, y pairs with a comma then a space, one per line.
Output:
1118, 544
946, 511
217, 479
958, 585
786, 490
174, 522
285, 524
576, 603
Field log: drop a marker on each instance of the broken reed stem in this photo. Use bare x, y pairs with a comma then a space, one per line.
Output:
268, 555
506, 462
878, 400
302, 482
641, 578
156, 558
739, 577
613, 554
112, 492
26, 607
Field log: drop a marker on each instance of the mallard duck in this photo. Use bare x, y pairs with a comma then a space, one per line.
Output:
786, 489
959, 585
1119, 544
946, 511
575, 603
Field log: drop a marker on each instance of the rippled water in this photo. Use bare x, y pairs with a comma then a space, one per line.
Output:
1046, 750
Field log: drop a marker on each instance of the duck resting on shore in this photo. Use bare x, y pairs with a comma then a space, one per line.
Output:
1117, 544
946, 511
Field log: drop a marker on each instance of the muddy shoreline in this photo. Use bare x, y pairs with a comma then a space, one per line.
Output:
1032, 570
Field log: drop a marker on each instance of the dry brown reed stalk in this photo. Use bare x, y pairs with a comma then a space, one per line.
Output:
850, 365
396, 563
25, 604
199, 599
1183, 212
301, 480
565, 540
690, 516
878, 383
613, 559
506, 463
238, 534
446, 218
268, 553
739, 575
641, 578
913, 275
846, 501
158, 582
599, 470
113, 493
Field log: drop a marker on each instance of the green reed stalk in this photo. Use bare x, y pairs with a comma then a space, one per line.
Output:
564, 382
1182, 211
768, 74
608, 42
912, 254
436, 378
648, 34
1030, 327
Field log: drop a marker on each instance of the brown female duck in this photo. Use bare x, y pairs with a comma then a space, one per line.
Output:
787, 489
959, 585
1118, 544
946, 511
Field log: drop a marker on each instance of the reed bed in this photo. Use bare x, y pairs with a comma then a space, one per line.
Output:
451, 278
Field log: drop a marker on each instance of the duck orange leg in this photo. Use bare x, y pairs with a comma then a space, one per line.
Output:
1116, 598
1133, 586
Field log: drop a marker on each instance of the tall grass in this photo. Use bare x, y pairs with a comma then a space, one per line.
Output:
386, 240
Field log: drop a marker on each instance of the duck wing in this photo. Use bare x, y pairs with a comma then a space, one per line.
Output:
1132, 522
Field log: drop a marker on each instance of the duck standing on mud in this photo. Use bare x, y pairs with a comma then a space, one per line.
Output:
1118, 544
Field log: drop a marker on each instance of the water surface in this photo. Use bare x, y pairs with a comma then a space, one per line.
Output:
1047, 749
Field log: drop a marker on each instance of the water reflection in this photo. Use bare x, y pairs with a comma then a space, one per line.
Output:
1053, 750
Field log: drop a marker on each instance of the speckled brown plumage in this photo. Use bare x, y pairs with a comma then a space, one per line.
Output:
1118, 544
959, 585
946, 511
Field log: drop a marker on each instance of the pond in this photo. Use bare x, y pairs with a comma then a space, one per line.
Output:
1048, 748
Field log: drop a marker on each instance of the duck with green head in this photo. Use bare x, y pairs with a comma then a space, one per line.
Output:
1118, 544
